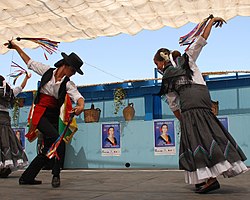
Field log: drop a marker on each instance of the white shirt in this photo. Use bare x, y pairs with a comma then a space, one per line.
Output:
17, 90
193, 52
52, 87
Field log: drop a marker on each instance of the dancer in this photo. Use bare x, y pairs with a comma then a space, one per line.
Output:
207, 150
12, 155
55, 83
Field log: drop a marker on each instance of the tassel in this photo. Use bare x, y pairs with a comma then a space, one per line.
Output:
45, 56
49, 46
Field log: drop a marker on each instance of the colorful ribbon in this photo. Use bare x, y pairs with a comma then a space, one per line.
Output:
189, 38
46, 44
52, 152
17, 73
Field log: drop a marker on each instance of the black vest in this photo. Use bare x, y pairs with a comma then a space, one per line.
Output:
62, 90
7, 100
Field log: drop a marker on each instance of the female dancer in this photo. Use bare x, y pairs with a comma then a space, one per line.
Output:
206, 148
12, 155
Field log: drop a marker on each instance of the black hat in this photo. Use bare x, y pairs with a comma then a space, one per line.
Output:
72, 60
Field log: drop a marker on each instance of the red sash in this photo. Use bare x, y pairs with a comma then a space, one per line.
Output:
45, 101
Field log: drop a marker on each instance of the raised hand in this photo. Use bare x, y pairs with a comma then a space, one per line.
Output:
218, 22
10, 44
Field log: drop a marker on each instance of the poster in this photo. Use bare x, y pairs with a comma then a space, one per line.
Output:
20, 134
111, 144
224, 121
164, 137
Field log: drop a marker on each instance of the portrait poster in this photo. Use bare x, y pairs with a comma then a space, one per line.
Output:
20, 134
164, 137
224, 121
111, 144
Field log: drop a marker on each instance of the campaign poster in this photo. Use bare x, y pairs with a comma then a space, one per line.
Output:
224, 121
20, 134
111, 144
164, 137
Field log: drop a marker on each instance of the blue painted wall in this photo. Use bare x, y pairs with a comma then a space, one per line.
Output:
137, 138
137, 144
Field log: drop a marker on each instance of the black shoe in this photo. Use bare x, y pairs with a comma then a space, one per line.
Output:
199, 186
32, 182
208, 188
55, 181
5, 172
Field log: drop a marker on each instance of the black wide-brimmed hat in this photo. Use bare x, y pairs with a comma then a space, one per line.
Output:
72, 60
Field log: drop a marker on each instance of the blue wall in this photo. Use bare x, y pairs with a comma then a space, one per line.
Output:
137, 138
137, 144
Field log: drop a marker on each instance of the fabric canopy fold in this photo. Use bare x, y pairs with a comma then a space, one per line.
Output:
70, 20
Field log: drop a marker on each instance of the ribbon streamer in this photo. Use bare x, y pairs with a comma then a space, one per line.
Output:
52, 152
189, 38
49, 46
17, 73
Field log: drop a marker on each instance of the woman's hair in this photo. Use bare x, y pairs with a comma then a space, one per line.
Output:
158, 57
111, 127
164, 125
1, 80
176, 54
7, 92
7, 85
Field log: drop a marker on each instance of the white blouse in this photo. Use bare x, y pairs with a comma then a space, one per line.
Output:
52, 87
17, 90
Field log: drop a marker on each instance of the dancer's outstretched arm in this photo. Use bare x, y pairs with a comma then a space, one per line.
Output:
217, 21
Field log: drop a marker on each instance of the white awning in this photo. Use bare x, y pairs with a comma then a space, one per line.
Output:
69, 20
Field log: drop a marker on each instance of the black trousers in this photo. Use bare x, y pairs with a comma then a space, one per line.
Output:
48, 126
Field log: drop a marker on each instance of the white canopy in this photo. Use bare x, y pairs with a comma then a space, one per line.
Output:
69, 20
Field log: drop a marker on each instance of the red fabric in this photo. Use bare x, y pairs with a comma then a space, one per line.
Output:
31, 135
45, 101
68, 108
37, 114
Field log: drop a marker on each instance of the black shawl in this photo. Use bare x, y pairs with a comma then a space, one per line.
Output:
171, 74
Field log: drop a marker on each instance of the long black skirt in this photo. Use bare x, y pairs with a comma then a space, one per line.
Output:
206, 148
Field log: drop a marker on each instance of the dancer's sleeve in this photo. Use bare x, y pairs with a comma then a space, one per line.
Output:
17, 90
38, 67
196, 47
73, 91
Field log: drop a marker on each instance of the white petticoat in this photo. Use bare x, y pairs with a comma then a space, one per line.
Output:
20, 164
223, 168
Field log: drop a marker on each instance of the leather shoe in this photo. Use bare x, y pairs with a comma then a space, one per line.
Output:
5, 172
55, 181
208, 188
32, 182
199, 186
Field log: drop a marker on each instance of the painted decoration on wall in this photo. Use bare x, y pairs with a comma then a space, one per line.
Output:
164, 137
111, 144
20, 134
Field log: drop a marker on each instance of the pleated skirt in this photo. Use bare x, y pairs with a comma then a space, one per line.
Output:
207, 149
12, 154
